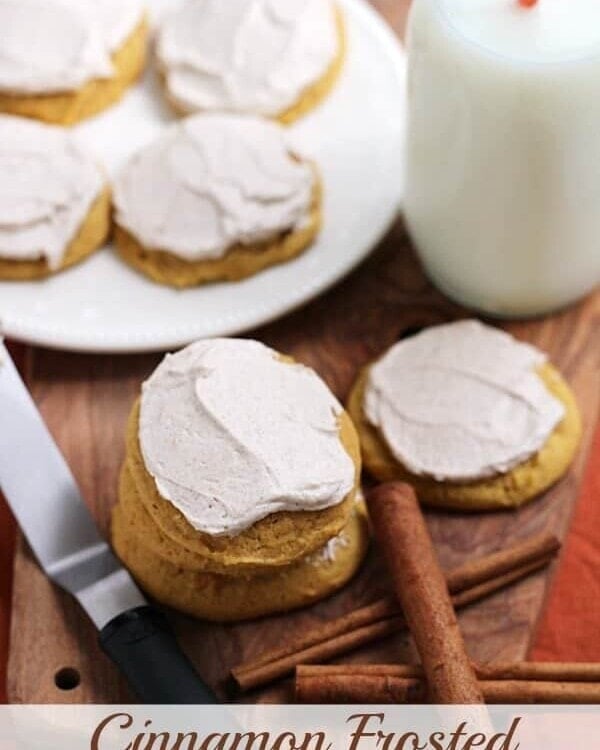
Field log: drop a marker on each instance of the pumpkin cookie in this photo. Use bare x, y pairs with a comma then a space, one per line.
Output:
240, 457
64, 61
216, 197
474, 419
251, 56
54, 202
224, 598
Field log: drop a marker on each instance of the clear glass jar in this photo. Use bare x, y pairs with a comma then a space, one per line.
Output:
503, 154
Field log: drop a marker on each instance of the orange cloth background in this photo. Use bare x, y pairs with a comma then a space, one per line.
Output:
569, 628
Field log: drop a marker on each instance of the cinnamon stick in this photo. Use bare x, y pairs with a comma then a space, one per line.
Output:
504, 561
470, 582
422, 591
494, 671
476, 593
381, 689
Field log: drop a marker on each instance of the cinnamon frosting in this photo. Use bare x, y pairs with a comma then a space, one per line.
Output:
47, 186
53, 46
231, 433
461, 402
212, 181
255, 56
329, 552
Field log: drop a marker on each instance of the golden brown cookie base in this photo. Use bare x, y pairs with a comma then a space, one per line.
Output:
93, 97
239, 263
510, 490
279, 539
222, 598
92, 234
134, 511
310, 98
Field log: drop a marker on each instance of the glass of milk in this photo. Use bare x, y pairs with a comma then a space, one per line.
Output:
503, 162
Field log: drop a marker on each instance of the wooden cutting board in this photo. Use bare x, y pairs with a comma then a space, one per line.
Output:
85, 401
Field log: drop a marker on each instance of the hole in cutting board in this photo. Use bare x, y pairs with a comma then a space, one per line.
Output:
67, 678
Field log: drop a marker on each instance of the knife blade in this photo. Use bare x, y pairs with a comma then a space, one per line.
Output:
44, 498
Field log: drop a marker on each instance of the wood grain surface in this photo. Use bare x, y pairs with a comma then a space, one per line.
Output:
85, 400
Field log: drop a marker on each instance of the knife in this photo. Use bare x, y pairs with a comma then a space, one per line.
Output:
46, 501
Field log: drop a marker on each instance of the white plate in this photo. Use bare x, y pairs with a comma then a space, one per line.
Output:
357, 138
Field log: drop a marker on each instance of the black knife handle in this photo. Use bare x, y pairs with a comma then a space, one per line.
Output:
141, 643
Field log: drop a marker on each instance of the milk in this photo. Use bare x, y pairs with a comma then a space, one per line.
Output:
503, 160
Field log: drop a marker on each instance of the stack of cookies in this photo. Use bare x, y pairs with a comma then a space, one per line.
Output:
238, 496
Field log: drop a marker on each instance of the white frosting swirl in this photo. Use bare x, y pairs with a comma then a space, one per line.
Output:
254, 56
52, 46
47, 187
461, 402
231, 434
210, 182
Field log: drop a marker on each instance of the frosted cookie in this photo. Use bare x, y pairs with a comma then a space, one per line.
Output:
275, 58
217, 197
224, 598
473, 418
241, 457
65, 60
54, 201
